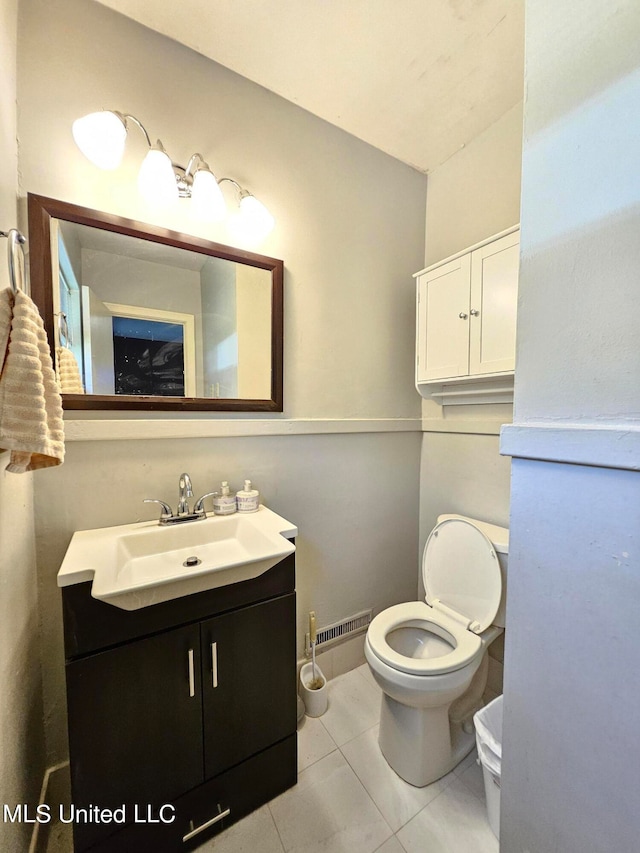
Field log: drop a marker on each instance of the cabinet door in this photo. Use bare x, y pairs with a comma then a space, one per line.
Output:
493, 308
249, 681
135, 724
443, 321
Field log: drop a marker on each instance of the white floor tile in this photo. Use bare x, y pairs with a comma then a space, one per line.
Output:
314, 742
365, 671
348, 799
354, 707
255, 832
328, 811
466, 762
447, 780
391, 846
397, 800
473, 778
455, 822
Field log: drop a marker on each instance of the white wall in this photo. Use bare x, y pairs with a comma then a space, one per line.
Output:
350, 228
350, 219
571, 747
476, 192
21, 724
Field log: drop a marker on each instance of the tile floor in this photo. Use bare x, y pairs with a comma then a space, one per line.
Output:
348, 800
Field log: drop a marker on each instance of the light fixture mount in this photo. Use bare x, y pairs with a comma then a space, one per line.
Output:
185, 176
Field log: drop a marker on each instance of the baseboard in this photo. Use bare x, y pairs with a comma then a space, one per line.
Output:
54, 790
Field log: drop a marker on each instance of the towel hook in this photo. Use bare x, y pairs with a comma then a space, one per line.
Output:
15, 239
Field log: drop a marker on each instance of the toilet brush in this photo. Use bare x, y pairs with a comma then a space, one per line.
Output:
316, 683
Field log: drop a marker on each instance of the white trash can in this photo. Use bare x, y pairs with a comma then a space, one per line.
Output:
488, 723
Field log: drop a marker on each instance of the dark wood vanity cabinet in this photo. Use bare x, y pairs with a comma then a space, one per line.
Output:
246, 692
190, 705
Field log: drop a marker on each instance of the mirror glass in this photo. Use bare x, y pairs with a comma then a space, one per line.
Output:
141, 317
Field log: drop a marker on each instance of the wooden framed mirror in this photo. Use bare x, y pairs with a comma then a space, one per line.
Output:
154, 319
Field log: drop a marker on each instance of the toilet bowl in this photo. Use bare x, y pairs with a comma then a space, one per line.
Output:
429, 657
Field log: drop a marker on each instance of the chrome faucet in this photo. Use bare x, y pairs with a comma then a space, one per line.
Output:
183, 512
186, 491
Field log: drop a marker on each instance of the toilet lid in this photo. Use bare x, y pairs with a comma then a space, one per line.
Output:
460, 568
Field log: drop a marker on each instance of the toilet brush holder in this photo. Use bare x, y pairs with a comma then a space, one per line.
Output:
315, 700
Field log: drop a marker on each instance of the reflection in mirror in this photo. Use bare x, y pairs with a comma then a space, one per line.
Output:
146, 318
121, 300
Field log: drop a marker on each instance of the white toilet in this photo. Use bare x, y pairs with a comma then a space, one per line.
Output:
430, 657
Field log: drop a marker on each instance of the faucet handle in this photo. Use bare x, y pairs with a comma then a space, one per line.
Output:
198, 508
166, 509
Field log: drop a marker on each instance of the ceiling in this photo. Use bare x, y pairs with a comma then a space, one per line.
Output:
418, 79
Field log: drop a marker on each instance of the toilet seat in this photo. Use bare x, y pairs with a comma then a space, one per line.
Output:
463, 585
465, 645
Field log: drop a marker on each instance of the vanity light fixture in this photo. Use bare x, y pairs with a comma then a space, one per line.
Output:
255, 219
101, 137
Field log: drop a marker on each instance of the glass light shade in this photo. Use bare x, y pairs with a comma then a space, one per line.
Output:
156, 179
255, 219
207, 201
101, 137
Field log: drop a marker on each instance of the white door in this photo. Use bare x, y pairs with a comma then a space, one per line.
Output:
443, 321
493, 307
97, 336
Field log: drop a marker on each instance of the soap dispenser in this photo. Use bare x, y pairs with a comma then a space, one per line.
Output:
224, 503
248, 499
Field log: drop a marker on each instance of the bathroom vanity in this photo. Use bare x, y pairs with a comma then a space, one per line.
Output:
182, 714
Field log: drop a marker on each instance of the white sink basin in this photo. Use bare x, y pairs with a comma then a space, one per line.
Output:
136, 565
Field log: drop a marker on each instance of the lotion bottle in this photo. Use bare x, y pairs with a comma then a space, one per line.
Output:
224, 503
248, 499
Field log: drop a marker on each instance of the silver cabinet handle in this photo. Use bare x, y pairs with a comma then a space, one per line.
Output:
474, 312
192, 832
462, 315
192, 676
214, 664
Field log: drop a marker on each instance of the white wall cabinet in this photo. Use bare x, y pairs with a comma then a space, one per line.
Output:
466, 320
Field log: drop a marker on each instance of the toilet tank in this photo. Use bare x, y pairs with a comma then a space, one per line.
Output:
499, 538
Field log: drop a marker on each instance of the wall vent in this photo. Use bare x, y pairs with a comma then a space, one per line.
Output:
332, 634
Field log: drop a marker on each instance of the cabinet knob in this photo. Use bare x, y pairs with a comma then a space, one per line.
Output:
474, 312
462, 315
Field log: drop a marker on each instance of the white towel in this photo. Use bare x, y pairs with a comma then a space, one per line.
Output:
68, 372
6, 312
31, 425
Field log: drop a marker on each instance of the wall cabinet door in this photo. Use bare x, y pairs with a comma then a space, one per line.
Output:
493, 306
135, 724
466, 313
443, 321
248, 678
